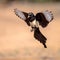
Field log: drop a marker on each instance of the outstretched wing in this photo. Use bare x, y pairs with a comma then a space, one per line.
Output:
44, 18
40, 37
22, 15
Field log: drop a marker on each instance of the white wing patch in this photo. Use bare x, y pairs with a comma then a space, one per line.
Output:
20, 14
48, 15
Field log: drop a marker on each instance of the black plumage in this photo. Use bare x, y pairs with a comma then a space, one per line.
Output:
40, 37
41, 18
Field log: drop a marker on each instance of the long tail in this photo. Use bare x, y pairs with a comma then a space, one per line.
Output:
40, 37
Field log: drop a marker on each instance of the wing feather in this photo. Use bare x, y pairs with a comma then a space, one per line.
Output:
22, 15
44, 18
48, 15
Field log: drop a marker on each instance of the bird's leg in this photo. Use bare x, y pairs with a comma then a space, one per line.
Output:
32, 29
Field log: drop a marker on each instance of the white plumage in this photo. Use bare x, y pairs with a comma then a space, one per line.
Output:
48, 15
20, 14
34, 23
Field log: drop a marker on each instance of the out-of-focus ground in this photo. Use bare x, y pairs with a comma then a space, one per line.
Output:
16, 40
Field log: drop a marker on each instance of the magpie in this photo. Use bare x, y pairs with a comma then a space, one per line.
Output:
34, 21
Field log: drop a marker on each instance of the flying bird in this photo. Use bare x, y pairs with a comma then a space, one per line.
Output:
41, 18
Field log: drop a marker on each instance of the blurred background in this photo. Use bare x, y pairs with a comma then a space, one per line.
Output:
34, 1
16, 40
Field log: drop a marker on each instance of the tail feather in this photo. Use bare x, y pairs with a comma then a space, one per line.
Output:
40, 37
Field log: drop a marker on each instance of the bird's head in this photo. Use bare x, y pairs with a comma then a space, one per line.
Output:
30, 14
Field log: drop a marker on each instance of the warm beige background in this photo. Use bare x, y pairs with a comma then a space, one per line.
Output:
16, 40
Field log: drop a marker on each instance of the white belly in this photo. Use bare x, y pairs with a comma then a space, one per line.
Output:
34, 23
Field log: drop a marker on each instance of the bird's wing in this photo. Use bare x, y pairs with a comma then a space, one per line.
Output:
22, 15
44, 18
40, 37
